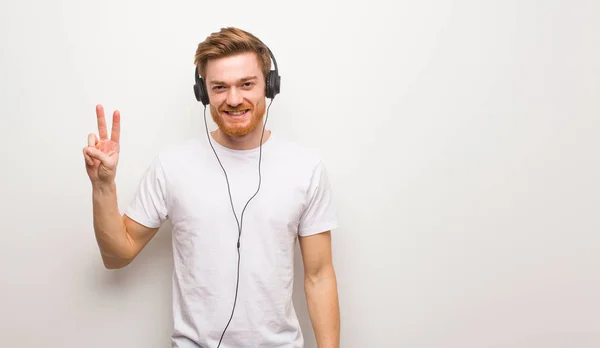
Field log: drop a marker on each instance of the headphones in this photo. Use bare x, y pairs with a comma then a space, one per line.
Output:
273, 83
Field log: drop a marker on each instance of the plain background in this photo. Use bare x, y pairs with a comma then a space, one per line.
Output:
461, 138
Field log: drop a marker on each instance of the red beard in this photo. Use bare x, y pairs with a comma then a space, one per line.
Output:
238, 128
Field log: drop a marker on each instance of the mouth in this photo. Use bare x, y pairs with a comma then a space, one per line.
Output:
237, 113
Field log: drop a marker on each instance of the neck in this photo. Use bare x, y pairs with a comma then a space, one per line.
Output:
243, 142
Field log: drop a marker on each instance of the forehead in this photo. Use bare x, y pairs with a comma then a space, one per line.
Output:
233, 68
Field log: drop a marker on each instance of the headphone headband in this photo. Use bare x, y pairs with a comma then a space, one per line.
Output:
273, 59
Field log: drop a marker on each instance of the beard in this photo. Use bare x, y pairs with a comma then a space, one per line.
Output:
238, 128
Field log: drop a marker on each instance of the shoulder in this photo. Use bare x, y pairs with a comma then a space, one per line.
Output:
297, 163
296, 155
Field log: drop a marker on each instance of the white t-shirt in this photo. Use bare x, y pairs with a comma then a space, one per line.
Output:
186, 184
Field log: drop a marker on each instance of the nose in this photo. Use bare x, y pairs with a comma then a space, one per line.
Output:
234, 97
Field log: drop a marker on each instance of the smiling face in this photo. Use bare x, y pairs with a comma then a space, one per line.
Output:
236, 89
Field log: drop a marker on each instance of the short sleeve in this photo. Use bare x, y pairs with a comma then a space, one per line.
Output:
149, 205
319, 214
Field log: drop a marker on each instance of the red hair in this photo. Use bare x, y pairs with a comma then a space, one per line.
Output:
230, 41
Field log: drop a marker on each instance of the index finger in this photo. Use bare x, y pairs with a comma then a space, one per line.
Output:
102, 132
115, 133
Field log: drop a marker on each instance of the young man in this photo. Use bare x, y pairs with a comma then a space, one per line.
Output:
238, 198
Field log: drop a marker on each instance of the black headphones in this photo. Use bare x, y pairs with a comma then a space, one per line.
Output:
273, 82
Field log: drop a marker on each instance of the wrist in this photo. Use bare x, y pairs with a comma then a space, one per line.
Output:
104, 187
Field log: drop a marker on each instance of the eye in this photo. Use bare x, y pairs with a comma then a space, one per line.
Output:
216, 88
248, 84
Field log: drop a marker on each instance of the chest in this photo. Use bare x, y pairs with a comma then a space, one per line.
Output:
207, 205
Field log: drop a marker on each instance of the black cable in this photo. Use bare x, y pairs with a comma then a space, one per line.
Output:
239, 222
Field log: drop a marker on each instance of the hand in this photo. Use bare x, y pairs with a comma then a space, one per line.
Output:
102, 155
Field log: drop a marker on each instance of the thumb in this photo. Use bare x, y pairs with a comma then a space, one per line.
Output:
99, 155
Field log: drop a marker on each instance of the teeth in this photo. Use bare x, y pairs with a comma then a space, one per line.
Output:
236, 113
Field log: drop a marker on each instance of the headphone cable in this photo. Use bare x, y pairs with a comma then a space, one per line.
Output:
239, 222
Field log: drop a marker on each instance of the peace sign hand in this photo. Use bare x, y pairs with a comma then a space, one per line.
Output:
102, 155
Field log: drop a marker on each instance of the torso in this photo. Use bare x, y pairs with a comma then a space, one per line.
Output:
205, 235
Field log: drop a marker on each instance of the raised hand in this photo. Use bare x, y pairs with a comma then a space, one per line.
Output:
102, 154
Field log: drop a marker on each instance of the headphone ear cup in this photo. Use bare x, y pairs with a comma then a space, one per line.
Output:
200, 89
200, 92
268, 85
273, 84
197, 92
204, 93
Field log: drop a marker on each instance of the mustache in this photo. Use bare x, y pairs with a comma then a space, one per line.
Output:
227, 108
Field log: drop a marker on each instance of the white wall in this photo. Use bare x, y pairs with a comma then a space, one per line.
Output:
461, 138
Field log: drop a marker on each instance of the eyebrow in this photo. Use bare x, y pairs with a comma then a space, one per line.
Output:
244, 79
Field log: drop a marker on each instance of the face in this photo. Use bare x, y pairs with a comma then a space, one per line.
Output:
236, 89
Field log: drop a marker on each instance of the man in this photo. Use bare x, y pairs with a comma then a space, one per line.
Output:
238, 199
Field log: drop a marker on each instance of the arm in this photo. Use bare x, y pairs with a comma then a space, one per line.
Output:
119, 238
320, 286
